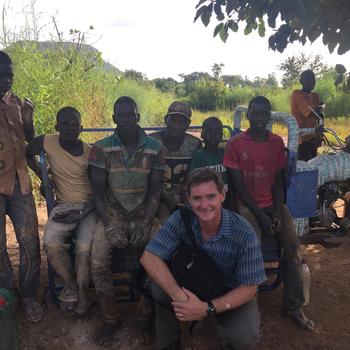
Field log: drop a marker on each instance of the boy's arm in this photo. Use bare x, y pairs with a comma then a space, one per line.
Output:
33, 149
153, 195
278, 200
98, 185
27, 111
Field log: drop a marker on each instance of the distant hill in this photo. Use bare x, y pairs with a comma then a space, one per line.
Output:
47, 45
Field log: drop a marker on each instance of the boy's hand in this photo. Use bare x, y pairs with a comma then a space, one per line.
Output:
27, 110
265, 224
277, 222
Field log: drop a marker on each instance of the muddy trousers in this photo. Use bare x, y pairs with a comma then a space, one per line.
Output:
125, 259
239, 328
21, 210
57, 241
293, 294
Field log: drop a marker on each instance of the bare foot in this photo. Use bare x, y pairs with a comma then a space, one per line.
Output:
104, 336
301, 319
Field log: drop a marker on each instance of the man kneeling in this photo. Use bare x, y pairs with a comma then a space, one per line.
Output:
232, 245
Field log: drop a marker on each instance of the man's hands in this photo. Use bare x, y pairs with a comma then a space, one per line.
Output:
140, 233
68, 217
191, 309
117, 236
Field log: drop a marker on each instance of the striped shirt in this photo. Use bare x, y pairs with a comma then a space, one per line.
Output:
234, 249
127, 176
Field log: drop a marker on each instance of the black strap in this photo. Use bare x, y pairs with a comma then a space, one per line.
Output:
186, 214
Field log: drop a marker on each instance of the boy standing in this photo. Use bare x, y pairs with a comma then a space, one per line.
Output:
302, 103
16, 199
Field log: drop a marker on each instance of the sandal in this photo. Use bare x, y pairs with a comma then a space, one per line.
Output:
32, 310
301, 319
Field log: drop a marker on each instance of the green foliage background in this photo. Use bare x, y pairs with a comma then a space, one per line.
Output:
58, 77
55, 78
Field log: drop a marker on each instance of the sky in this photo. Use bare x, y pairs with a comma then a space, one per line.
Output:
159, 38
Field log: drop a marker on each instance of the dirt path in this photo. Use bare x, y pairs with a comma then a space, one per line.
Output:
329, 306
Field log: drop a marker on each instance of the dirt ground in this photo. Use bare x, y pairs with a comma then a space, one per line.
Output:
329, 307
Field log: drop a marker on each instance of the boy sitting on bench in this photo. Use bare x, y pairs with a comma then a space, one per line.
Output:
67, 157
256, 159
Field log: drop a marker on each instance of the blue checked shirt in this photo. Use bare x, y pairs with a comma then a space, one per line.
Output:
234, 249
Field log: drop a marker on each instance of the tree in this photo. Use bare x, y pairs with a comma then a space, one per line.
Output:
301, 20
134, 75
165, 84
217, 70
188, 80
293, 66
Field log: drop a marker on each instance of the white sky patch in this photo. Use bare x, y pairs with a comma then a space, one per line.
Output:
159, 38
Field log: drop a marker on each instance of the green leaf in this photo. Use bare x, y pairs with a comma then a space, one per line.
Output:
248, 29
261, 28
199, 13
220, 17
233, 25
217, 29
205, 17
200, 3
223, 34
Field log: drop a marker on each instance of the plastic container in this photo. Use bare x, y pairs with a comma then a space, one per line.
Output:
306, 283
8, 322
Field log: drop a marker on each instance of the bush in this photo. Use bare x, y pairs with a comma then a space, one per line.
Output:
54, 78
208, 95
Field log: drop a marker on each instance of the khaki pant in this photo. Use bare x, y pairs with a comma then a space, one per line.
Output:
293, 295
239, 327
57, 242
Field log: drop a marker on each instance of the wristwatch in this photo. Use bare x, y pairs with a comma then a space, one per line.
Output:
211, 309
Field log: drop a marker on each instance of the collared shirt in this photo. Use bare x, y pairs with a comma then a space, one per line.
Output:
259, 163
127, 176
235, 248
13, 162
177, 162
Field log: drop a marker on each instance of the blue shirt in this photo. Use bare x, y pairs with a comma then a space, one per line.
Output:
235, 249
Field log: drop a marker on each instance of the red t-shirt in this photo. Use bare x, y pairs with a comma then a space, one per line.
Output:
259, 162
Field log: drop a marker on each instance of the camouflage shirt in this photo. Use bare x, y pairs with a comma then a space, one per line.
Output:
177, 162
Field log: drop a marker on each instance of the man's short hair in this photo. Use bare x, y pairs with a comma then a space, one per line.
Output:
125, 99
260, 100
211, 120
5, 58
202, 175
66, 110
